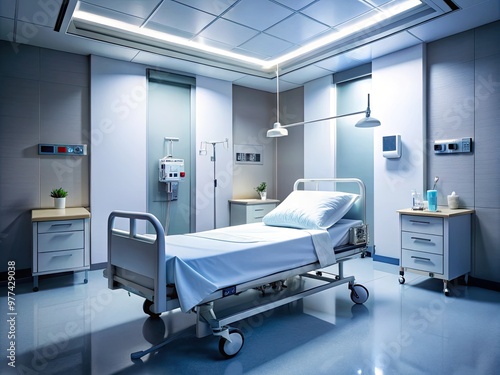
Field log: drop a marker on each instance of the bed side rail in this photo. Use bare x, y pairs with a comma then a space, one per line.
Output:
358, 211
132, 251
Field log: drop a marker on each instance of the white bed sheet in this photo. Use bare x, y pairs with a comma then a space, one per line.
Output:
201, 263
204, 262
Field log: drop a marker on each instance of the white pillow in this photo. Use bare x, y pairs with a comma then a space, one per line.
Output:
305, 209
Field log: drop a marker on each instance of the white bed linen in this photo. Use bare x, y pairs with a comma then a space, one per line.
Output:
201, 263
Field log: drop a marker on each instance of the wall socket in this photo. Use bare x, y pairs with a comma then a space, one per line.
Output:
453, 146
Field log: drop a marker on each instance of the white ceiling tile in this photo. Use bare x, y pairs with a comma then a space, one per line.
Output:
266, 45
137, 8
334, 12
377, 3
297, 29
181, 17
295, 4
213, 7
228, 32
258, 14
109, 13
38, 12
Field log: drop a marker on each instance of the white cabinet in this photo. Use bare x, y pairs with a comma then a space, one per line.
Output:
61, 239
245, 211
436, 244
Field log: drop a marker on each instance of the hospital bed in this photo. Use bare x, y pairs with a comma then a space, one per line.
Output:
209, 273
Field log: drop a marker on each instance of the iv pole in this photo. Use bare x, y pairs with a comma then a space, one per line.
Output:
203, 151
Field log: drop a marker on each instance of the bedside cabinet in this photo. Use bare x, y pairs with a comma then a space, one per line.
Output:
245, 211
61, 239
436, 244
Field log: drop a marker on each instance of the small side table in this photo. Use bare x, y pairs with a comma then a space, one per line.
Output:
436, 244
245, 211
61, 241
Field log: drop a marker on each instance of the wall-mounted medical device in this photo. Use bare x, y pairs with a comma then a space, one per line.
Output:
391, 146
453, 146
61, 149
171, 170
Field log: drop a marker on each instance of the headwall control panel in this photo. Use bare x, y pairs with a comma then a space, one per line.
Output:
61, 149
452, 146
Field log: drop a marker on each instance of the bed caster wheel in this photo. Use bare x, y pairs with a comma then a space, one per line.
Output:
359, 294
446, 292
146, 307
230, 348
85, 281
401, 280
35, 289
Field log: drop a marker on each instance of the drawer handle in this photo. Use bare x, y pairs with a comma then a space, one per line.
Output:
60, 225
420, 222
420, 258
259, 209
420, 239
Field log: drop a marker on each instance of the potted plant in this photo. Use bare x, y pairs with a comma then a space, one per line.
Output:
59, 196
261, 189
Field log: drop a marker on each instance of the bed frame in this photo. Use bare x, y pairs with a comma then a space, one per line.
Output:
137, 264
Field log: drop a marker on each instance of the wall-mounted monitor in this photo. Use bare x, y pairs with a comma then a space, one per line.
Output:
391, 146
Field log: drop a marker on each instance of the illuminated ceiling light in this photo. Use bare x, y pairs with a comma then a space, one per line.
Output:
352, 28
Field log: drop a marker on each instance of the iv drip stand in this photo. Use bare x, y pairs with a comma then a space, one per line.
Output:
203, 151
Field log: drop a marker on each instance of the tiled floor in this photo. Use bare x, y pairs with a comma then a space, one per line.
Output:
73, 328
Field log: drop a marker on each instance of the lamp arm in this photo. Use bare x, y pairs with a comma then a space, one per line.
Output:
322, 119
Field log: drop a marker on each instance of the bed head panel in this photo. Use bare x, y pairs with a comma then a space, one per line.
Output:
347, 185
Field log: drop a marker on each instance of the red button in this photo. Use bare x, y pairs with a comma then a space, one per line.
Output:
183, 174
61, 150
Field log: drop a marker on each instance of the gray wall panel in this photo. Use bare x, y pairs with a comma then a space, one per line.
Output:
61, 67
450, 105
487, 138
487, 40
34, 110
486, 259
464, 101
19, 61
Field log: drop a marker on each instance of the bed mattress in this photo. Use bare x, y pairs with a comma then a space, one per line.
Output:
204, 262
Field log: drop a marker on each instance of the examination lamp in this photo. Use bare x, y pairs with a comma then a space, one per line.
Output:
279, 130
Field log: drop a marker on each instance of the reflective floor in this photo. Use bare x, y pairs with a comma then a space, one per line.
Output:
69, 327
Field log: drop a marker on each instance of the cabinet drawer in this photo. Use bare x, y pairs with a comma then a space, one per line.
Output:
428, 243
60, 226
422, 261
60, 260
60, 241
422, 224
257, 212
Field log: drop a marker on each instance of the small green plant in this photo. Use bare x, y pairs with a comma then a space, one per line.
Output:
58, 193
261, 188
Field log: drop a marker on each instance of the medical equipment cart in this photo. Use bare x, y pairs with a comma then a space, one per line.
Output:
436, 244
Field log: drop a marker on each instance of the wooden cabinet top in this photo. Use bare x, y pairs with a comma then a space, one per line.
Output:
49, 214
443, 211
254, 201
